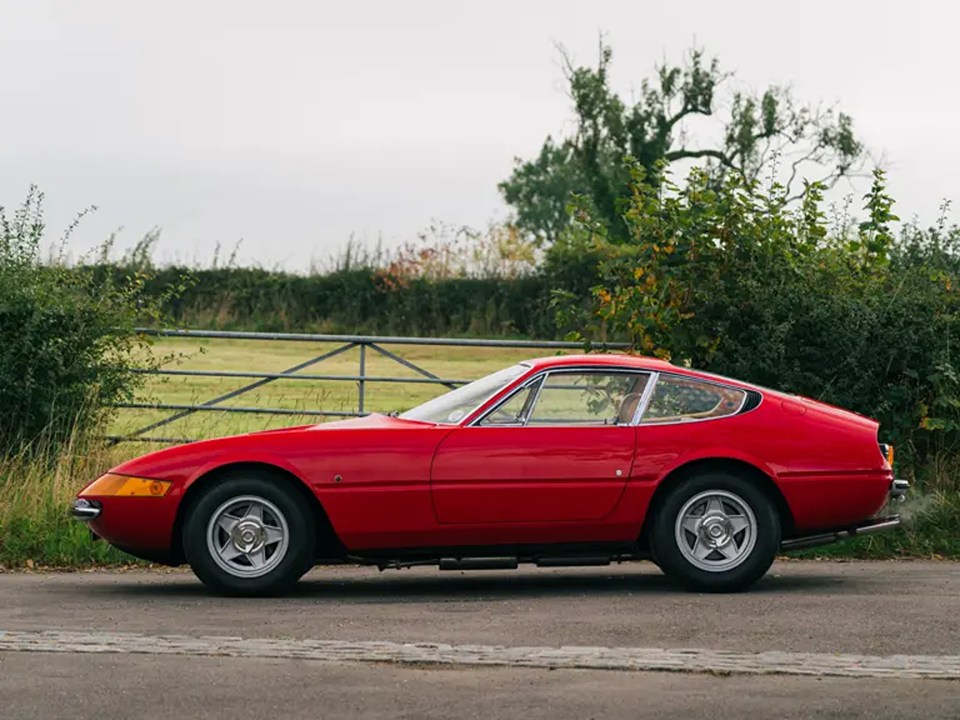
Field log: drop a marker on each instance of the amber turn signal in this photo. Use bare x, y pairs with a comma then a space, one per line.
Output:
887, 452
126, 486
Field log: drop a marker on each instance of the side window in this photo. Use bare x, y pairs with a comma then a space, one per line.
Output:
512, 411
588, 398
676, 399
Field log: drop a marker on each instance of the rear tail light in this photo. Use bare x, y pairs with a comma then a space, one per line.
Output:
887, 452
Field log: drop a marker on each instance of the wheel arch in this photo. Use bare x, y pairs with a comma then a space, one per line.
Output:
328, 544
719, 464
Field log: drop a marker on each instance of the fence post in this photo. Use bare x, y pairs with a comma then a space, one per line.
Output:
363, 372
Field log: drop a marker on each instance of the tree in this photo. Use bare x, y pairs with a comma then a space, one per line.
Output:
766, 131
725, 277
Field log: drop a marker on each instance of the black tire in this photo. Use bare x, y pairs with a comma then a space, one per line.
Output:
276, 499
754, 559
656, 560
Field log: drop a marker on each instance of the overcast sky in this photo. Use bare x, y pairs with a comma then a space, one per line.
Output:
294, 124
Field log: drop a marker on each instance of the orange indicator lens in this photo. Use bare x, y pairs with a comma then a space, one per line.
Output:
126, 486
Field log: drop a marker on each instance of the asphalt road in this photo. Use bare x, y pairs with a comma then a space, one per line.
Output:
815, 609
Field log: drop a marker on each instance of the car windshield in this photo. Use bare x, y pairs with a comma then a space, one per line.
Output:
454, 406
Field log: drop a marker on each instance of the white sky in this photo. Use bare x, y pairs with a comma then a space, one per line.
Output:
294, 124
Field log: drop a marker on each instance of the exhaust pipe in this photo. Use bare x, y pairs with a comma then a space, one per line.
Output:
868, 528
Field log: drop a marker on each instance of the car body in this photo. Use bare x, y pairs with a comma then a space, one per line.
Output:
566, 460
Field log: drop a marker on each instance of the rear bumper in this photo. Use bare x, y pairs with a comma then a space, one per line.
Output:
898, 490
897, 493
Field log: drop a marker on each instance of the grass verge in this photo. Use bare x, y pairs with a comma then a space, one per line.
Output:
35, 493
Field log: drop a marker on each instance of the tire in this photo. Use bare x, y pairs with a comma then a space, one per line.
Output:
729, 528
656, 560
270, 541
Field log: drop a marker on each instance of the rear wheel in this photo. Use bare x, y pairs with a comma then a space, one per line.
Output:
716, 532
250, 534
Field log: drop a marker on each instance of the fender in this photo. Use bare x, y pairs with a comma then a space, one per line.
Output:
254, 457
716, 453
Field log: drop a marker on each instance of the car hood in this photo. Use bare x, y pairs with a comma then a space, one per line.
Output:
374, 421
183, 461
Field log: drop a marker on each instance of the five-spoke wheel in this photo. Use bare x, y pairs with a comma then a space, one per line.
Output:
249, 534
716, 531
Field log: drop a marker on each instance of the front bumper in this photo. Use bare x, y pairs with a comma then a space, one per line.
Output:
141, 526
86, 510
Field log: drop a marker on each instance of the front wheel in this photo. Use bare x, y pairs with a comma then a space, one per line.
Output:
249, 535
716, 532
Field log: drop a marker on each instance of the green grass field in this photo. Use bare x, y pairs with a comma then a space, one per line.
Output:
456, 363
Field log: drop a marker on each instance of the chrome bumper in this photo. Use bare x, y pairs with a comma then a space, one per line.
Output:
84, 509
866, 528
898, 490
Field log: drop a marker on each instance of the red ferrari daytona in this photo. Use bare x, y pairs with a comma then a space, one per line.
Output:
560, 461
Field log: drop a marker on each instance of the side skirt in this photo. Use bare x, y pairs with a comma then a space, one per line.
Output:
502, 557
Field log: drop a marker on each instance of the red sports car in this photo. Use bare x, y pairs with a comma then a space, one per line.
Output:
560, 461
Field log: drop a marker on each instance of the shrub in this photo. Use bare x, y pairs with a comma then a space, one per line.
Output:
67, 340
449, 282
729, 279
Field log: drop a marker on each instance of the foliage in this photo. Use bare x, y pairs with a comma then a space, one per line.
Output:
36, 487
443, 253
727, 278
363, 300
450, 281
760, 132
67, 343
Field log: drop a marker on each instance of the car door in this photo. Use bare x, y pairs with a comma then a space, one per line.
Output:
561, 448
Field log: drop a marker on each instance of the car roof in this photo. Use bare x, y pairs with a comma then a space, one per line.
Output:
640, 362
600, 360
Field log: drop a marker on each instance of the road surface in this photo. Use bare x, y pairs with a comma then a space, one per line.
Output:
872, 640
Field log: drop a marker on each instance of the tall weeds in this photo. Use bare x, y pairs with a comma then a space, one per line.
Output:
36, 489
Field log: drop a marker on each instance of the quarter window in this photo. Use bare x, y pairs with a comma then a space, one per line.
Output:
513, 410
677, 399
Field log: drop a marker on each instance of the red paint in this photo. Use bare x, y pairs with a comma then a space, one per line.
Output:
409, 484
530, 474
